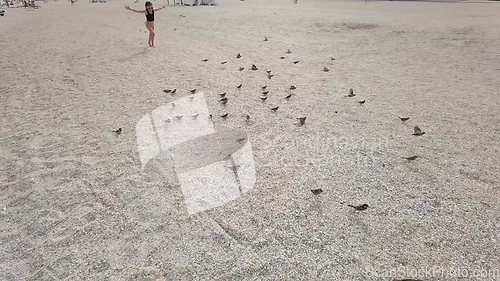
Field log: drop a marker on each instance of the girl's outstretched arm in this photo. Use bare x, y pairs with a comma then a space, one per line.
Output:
137, 11
157, 9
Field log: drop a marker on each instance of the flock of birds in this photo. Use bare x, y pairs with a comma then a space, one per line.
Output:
223, 100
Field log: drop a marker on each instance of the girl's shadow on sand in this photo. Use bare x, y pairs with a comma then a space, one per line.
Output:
135, 55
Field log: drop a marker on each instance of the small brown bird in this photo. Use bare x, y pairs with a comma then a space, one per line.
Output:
411, 158
404, 118
282, 58
263, 99
317, 191
238, 56
417, 132
295, 62
288, 51
302, 120
254, 67
224, 115
265, 39
275, 108
223, 62
265, 93
361, 102
241, 68
288, 96
325, 69
351, 93
293, 87
222, 94
239, 86
269, 76
192, 91
360, 207
119, 131
263, 87
204, 60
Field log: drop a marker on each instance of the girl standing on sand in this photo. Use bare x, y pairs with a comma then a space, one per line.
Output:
150, 20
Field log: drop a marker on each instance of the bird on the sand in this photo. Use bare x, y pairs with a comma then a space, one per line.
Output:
404, 118
351, 93
360, 207
118, 131
268, 71
254, 67
204, 60
417, 132
241, 140
168, 91
241, 68
239, 86
247, 117
275, 108
269, 76
223, 62
293, 87
282, 58
325, 69
295, 62
265, 39
222, 94
288, 51
263, 99
263, 87
362, 101
288, 96
223, 101
224, 115
192, 91
302, 120
332, 58
317, 191
265, 93
238, 56
411, 158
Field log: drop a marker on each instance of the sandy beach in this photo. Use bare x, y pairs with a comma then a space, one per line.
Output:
77, 203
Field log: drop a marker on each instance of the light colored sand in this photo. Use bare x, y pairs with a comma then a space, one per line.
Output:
76, 203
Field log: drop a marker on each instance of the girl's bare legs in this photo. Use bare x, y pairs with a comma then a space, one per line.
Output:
153, 35
151, 30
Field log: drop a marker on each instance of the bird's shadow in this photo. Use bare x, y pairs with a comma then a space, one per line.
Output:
134, 55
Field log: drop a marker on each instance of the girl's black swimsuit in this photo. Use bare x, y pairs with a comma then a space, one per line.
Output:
150, 17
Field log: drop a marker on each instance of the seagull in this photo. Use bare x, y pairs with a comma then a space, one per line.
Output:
282, 58
265, 39
351, 93
270, 76
332, 58
265, 93
241, 68
417, 132
288, 96
275, 108
302, 120
223, 62
317, 191
239, 86
238, 56
254, 67
404, 118
263, 87
224, 115
193, 91
295, 62
288, 51
268, 71
293, 87
204, 60
119, 131
263, 99
325, 69
360, 207
168, 91
362, 102
411, 158
223, 101
222, 94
